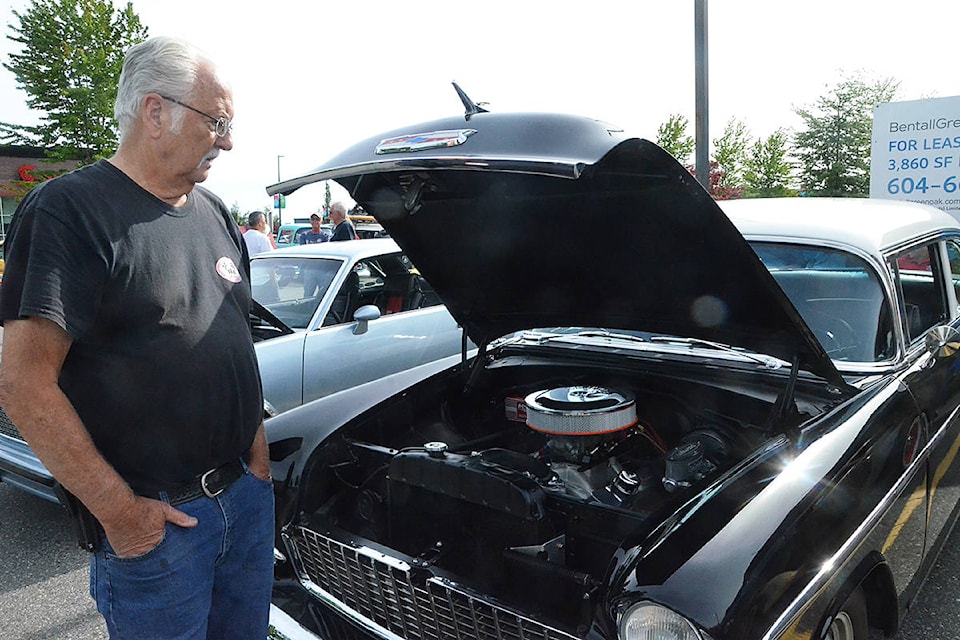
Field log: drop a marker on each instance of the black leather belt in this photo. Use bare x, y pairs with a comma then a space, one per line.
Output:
210, 484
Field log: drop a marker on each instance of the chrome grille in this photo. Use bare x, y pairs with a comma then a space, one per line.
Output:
382, 591
7, 428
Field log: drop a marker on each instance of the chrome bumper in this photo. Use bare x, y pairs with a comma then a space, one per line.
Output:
20, 467
283, 627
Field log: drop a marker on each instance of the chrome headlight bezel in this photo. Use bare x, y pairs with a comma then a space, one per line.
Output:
645, 620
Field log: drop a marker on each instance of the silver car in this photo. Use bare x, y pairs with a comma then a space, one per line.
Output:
349, 312
326, 317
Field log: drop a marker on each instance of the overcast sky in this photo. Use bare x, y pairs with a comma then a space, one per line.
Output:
310, 77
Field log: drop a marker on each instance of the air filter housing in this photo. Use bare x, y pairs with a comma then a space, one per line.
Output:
580, 411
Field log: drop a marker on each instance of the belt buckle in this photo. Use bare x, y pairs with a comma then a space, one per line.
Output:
203, 485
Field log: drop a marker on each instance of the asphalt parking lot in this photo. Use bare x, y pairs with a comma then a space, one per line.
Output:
43, 576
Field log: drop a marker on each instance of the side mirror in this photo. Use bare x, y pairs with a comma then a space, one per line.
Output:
942, 341
363, 316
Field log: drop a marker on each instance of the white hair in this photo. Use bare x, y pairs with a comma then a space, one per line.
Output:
164, 65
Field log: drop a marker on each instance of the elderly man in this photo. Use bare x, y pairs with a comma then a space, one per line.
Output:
255, 236
343, 228
128, 365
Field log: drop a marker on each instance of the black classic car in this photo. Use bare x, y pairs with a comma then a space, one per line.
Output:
686, 420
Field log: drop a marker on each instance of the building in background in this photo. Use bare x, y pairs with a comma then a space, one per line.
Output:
20, 165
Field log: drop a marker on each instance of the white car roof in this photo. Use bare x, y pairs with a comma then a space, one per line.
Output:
873, 226
347, 249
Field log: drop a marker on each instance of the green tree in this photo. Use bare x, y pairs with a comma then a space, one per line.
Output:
326, 197
673, 137
238, 216
834, 149
768, 171
730, 154
69, 65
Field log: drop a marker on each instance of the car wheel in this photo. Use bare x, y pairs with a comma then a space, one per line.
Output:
850, 620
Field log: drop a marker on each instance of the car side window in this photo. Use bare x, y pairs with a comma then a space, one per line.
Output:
953, 257
918, 280
429, 296
404, 289
355, 291
369, 275
390, 282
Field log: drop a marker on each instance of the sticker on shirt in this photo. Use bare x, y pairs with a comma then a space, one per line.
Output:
228, 270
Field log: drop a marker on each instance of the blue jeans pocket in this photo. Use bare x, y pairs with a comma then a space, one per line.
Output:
111, 554
155, 595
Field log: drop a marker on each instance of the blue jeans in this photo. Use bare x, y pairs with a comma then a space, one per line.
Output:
209, 582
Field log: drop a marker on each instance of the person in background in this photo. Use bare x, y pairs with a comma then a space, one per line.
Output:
343, 228
129, 368
256, 236
316, 234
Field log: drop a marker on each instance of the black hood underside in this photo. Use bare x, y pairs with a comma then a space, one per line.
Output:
590, 228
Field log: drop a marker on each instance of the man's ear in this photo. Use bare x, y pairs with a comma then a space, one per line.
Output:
152, 114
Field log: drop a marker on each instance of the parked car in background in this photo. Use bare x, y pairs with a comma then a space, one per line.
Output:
349, 312
368, 230
327, 317
725, 421
289, 234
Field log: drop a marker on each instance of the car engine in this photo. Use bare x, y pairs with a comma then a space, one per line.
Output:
526, 489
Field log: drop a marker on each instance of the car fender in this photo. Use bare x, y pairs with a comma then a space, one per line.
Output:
309, 424
752, 532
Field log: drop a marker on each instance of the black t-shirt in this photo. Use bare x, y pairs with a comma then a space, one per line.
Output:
343, 231
162, 369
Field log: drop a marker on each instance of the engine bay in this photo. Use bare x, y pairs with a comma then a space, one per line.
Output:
525, 483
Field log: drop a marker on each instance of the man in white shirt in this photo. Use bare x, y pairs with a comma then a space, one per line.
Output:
255, 236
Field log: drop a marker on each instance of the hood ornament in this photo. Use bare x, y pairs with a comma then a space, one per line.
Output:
472, 107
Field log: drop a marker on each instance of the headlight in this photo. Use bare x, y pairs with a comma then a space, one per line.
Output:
648, 621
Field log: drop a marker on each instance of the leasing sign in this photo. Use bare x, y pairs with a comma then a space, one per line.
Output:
915, 154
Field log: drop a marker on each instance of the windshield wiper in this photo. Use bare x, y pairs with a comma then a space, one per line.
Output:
612, 336
541, 338
768, 361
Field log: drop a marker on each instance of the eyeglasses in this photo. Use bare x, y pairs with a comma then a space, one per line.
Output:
222, 126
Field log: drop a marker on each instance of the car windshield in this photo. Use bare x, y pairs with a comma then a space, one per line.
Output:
292, 288
285, 236
839, 297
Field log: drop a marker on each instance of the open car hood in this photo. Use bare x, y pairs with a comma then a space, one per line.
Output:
522, 221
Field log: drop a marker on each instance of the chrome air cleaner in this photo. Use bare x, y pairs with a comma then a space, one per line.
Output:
580, 411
